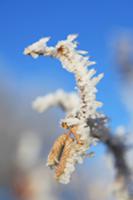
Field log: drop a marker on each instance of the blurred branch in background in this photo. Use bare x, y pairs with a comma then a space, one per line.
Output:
123, 57
117, 146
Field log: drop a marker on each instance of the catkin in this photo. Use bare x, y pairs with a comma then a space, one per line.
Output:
56, 151
66, 152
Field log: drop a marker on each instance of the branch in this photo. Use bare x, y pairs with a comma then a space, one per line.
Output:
76, 62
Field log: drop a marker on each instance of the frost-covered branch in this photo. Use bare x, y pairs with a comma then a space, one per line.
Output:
66, 153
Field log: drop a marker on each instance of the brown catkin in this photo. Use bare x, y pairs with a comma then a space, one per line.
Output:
55, 153
66, 152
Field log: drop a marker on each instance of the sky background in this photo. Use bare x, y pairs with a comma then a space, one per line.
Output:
96, 22
22, 78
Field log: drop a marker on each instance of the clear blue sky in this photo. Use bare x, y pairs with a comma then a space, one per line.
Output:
25, 21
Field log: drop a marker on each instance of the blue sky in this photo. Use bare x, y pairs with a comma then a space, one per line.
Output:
96, 22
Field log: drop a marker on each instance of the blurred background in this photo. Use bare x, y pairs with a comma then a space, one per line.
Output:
105, 29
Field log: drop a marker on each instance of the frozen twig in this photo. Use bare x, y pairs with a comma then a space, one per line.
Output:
75, 62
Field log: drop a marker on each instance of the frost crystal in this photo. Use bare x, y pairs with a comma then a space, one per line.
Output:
75, 61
